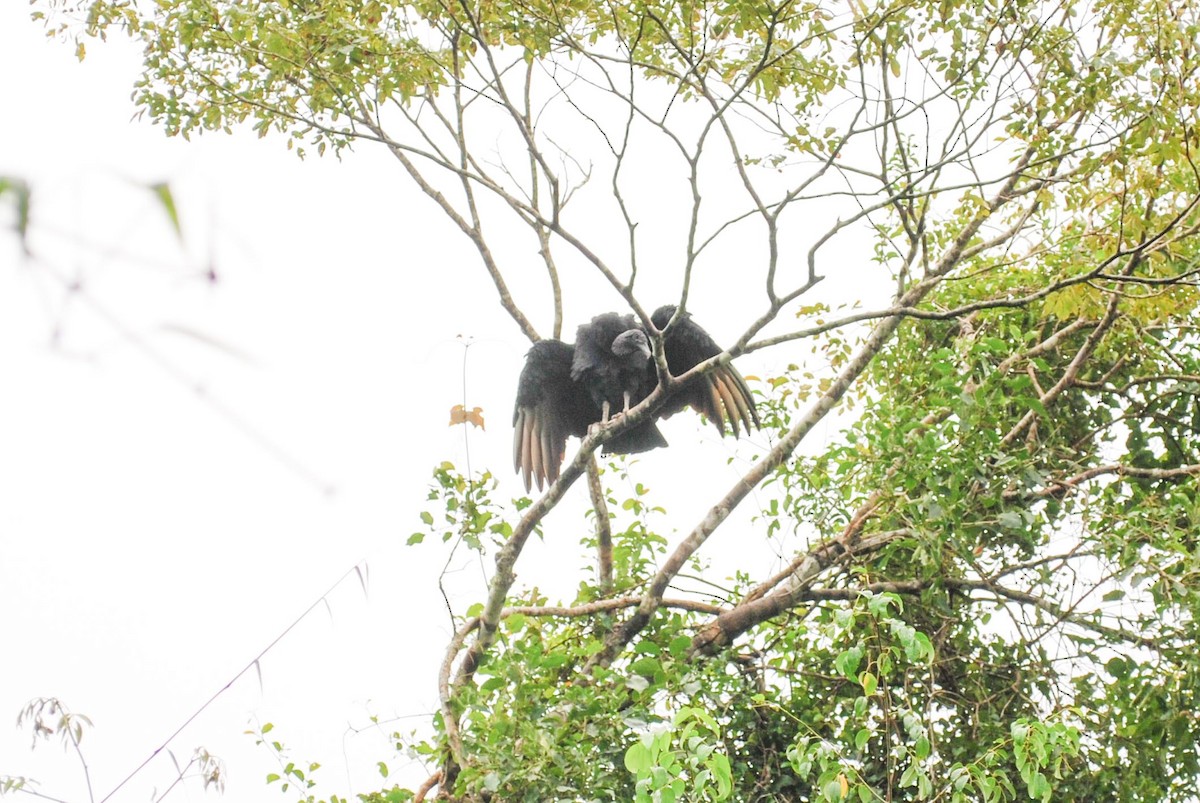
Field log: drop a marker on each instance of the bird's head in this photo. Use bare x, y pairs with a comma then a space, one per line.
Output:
630, 343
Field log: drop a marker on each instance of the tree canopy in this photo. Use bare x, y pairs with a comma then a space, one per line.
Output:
988, 583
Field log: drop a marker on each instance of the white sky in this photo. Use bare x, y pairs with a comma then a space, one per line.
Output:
148, 547
168, 507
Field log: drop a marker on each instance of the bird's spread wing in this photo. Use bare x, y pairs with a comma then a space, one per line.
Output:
720, 395
550, 408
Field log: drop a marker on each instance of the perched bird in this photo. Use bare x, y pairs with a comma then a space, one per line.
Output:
612, 361
564, 389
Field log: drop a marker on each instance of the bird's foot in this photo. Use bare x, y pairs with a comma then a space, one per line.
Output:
607, 422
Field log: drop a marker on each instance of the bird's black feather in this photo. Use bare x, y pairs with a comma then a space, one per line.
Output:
550, 408
612, 379
720, 395
564, 389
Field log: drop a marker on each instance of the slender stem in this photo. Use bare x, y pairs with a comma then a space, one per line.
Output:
604, 543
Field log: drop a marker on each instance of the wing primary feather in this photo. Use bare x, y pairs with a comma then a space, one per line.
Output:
535, 452
746, 398
557, 443
526, 458
548, 464
729, 406
539, 464
738, 410
518, 429
712, 407
530, 425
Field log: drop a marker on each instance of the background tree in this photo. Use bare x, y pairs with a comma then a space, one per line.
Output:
990, 581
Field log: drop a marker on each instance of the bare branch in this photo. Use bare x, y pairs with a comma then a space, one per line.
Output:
603, 528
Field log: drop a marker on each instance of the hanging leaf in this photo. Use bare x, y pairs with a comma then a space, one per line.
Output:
461, 415
21, 192
162, 191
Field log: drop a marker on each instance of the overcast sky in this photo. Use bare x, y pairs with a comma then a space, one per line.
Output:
187, 463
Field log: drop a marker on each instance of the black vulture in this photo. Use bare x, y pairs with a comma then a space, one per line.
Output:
565, 389
612, 361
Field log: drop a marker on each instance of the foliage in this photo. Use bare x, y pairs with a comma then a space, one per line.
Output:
47, 717
986, 585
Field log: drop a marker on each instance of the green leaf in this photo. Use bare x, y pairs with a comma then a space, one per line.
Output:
847, 662
679, 645
166, 199
723, 773
1118, 667
862, 738
638, 759
1011, 520
22, 194
646, 666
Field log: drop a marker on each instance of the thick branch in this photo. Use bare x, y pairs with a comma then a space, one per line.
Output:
1060, 488
728, 626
